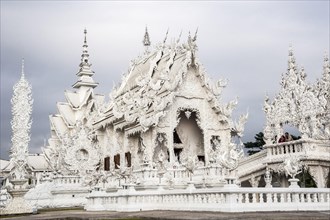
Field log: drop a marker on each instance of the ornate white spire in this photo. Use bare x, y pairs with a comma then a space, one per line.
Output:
85, 73
21, 124
326, 65
292, 68
23, 75
85, 55
146, 41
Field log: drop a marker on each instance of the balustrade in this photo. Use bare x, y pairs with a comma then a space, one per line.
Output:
67, 180
291, 147
254, 199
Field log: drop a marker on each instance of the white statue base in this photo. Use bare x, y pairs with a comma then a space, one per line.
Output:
18, 204
191, 186
231, 182
268, 185
294, 183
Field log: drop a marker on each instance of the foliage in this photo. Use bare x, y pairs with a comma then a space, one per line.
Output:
256, 146
305, 179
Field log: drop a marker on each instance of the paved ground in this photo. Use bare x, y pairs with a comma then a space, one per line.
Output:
176, 215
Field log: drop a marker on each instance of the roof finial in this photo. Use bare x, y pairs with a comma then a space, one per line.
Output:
166, 36
177, 41
195, 37
326, 64
290, 50
326, 56
85, 55
85, 32
292, 60
23, 74
146, 39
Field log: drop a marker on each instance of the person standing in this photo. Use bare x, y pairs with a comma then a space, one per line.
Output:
288, 137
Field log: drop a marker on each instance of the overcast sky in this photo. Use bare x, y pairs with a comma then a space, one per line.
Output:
245, 42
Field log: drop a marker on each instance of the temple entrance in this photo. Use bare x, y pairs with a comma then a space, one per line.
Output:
188, 137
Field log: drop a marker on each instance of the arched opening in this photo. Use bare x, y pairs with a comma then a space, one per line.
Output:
188, 137
306, 180
82, 155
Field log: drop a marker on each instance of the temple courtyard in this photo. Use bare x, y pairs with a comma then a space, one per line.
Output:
80, 214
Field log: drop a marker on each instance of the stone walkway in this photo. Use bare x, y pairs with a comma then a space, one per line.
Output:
176, 215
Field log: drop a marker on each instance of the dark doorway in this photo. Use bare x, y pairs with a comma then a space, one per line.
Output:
116, 160
107, 163
128, 159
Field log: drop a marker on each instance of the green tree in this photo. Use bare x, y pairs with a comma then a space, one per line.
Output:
256, 146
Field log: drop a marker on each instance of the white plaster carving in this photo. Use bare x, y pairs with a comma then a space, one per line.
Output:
292, 166
166, 90
254, 181
298, 104
21, 125
268, 178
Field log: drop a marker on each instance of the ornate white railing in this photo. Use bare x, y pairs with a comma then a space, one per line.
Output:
180, 175
310, 149
292, 147
60, 180
221, 199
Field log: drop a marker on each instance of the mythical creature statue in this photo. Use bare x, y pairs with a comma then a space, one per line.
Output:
230, 158
292, 166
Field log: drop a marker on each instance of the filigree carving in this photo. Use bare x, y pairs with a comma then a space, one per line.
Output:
302, 105
21, 124
82, 152
254, 180
160, 148
292, 166
268, 178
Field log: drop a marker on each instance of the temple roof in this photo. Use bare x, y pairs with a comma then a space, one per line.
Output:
151, 83
35, 162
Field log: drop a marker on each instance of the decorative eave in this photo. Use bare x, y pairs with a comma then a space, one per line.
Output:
59, 124
81, 83
75, 99
133, 130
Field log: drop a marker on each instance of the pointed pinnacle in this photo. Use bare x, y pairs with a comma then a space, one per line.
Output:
85, 32
166, 35
23, 74
146, 39
326, 56
195, 37
179, 37
290, 50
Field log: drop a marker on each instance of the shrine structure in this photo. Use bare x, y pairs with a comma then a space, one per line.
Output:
167, 141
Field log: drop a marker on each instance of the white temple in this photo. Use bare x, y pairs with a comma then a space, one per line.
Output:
165, 141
